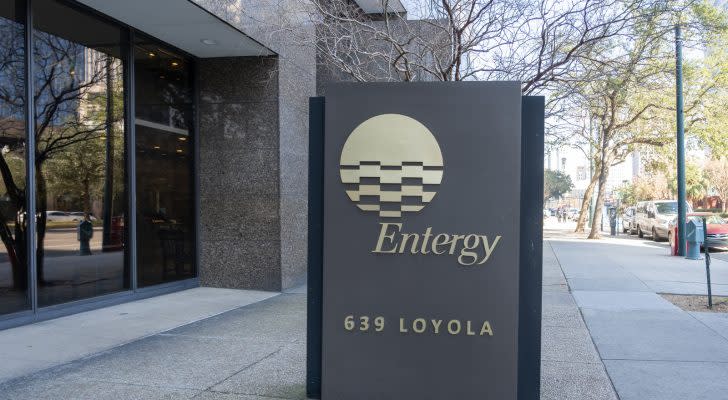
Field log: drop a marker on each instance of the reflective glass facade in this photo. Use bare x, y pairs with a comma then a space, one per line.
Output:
78, 76
87, 75
14, 277
164, 169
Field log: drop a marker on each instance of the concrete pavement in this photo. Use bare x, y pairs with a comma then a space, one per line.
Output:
258, 352
31, 348
721, 255
611, 337
253, 352
651, 349
570, 365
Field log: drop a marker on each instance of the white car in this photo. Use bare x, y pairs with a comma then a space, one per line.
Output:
59, 216
78, 216
652, 217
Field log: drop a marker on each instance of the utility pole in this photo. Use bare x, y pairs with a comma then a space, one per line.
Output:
681, 197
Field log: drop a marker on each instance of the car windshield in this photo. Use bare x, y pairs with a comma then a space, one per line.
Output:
667, 208
710, 219
716, 220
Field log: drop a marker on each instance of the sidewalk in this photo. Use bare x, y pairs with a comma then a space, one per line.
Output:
253, 352
258, 352
46, 344
570, 365
652, 350
612, 331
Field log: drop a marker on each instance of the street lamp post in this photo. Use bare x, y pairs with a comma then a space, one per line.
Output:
681, 197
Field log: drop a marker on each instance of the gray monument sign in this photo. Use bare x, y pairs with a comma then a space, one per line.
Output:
421, 241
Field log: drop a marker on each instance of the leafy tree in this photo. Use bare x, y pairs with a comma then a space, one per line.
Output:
717, 173
79, 169
555, 184
709, 122
696, 183
72, 84
648, 187
632, 69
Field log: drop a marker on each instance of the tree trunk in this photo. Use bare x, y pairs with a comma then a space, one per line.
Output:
595, 232
87, 195
20, 243
15, 245
41, 205
17, 265
588, 193
109, 162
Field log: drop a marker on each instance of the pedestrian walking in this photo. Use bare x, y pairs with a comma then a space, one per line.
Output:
85, 233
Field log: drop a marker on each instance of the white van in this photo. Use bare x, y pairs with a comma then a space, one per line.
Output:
652, 217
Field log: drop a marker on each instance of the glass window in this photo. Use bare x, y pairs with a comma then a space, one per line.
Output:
79, 154
13, 252
164, 157
667, 208
581, 173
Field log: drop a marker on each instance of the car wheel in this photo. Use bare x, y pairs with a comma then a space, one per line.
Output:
640, 234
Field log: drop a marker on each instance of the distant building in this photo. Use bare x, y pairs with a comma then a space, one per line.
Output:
575, 163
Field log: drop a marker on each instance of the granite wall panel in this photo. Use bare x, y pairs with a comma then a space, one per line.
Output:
296, 84
240, 220
284, 27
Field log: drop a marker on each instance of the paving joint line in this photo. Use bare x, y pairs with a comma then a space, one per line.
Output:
209, 388
720, 335
247, 394
674, 361
120, 382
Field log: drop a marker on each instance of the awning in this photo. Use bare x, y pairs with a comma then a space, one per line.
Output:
183, 24
377, 6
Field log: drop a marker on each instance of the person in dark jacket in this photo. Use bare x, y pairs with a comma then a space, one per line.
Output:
85, 233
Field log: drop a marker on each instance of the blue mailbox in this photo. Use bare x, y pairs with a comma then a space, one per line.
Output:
694, 237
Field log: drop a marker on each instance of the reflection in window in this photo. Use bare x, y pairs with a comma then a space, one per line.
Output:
165, 202
13, 251
79, 155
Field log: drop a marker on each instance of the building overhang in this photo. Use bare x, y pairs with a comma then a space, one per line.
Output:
184, 25
377, 6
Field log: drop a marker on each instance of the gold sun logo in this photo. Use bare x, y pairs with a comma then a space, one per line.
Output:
391, 164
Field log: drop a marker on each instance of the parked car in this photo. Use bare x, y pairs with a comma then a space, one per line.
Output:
653, 217
573, 214
628, 224
78, 216
717, 230
59, 216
